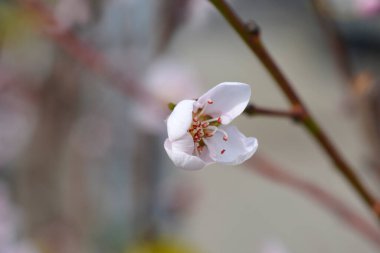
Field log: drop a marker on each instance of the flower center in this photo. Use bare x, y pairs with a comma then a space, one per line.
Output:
204, 126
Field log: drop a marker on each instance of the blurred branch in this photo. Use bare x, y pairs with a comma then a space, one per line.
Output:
81, 51
267, 169
322, 11
363, 85
172, 14
250, 34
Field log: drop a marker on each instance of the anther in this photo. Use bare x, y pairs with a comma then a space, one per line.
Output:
205, 124
210, 102
220, 120
225, 138
222, 152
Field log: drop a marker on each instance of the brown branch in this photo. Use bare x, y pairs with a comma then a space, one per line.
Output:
253, 110
251, 36
269, 170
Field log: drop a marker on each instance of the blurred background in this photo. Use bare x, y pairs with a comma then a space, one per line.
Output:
84, 88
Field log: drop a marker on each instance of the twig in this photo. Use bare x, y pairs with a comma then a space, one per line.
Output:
251, 36
269, 170
253, 110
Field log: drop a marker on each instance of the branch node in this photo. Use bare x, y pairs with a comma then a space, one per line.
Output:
299, 113
252, 28
250, 109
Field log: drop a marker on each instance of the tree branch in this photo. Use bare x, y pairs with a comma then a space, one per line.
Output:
266, 168
251, 36
253, 110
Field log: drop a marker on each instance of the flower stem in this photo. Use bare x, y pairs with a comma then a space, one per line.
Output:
250, 34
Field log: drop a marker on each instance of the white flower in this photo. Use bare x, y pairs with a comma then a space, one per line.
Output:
198, 131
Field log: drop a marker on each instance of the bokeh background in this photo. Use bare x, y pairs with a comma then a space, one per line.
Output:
84, 88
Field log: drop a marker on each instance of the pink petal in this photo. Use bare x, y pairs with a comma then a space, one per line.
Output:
368, 7
235, 150
229, 100
180, 119
181, 158
184, 144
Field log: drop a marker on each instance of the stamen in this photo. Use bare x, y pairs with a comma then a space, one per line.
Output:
202, 111
193, 130
201, 128
214, 129
222, 152
219, 120
204, 107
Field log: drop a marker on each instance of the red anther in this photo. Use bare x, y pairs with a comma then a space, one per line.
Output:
220, 120
195, 119
222, 152
225, 138
210, 101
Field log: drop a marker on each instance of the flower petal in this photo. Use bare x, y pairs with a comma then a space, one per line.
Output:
184, 144
235, 150
180, 119
229, 100
181, 158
